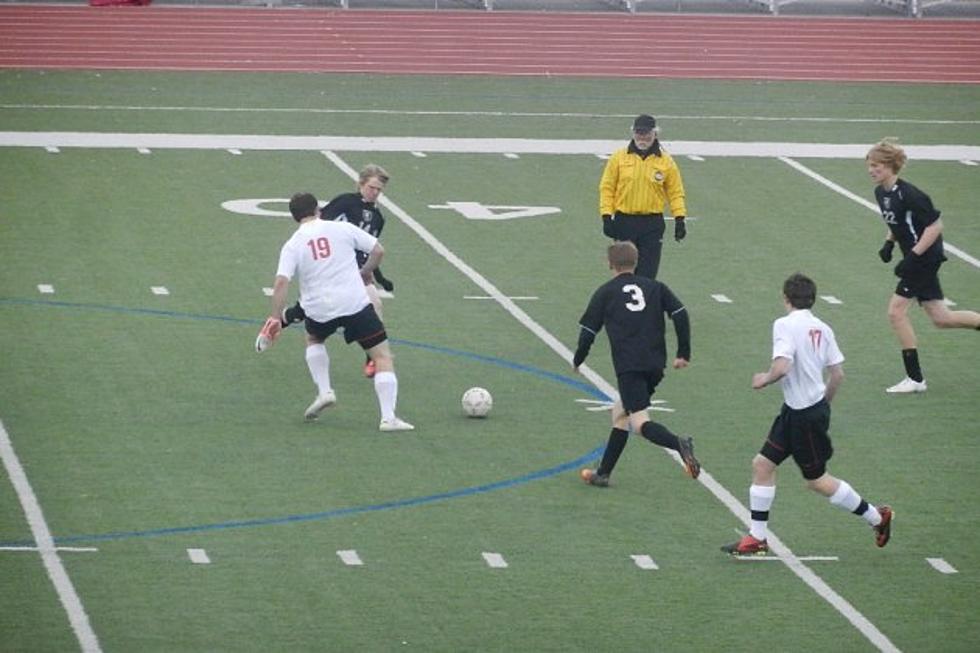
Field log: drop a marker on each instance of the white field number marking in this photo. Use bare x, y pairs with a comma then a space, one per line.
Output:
478, 211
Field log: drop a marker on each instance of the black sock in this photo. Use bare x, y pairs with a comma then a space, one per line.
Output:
614, 447
658, 434
911, 359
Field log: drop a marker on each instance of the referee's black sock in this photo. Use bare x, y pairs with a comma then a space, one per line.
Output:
910, 357
658, 434
614, 448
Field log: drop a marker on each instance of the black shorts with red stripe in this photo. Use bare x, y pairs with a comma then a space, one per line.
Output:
803, 434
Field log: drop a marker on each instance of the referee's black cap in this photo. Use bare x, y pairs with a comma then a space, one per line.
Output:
644, 123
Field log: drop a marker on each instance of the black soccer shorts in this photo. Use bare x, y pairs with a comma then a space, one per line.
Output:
636, 388
803, 434
364, 326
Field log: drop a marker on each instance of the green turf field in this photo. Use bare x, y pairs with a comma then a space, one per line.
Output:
146, 425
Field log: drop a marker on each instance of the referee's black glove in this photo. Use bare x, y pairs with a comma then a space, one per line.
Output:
607, 225
680, 229
885, 253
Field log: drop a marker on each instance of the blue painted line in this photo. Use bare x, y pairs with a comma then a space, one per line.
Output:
338, 512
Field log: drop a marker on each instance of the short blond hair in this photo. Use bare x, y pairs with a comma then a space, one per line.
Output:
622, 255
371, 171
889, 153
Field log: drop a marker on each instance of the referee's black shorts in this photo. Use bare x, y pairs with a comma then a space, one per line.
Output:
803, 434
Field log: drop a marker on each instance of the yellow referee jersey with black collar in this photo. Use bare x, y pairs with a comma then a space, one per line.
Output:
633, 184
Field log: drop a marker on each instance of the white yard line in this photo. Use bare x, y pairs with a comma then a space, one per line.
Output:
47, 550
848, 611
432, 145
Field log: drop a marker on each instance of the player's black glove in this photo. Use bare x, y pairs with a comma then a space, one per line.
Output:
907, 265
383, 281
680, 229
885, 253
608, 225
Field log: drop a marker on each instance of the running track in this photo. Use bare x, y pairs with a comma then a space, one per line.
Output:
490, 43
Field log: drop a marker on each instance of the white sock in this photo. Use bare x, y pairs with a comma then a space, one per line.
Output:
760, 501
872, 516
845, 497
386, 387
319, 363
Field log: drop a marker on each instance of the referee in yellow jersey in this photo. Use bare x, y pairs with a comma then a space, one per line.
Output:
638, 182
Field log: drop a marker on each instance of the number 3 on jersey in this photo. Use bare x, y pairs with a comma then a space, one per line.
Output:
320, 248
637, 301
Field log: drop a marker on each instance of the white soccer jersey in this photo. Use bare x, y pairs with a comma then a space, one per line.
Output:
323, 253
810, 345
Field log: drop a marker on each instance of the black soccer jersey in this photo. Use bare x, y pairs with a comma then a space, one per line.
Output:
632, 309
351, 207
908, 211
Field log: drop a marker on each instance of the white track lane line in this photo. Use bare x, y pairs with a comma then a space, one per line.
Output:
848, 611
45, 543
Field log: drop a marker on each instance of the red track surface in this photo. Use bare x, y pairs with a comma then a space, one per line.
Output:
497, 43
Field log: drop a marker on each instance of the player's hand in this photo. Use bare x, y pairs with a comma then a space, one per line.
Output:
759, 380
386, 284
681, 362
608, 225
680, 229
885, 253
908, 264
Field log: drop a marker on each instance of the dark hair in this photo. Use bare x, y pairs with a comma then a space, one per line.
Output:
302, 205
800, 291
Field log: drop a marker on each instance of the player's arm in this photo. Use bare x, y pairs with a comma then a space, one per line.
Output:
682, 329
383, 281
372, 262
586, 337
280, 287
589, 326
834, 379
779, 368
929, 236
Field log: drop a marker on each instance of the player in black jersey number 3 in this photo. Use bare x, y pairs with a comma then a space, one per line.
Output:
632, 308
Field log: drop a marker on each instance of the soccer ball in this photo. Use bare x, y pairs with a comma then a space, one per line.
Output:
477, 402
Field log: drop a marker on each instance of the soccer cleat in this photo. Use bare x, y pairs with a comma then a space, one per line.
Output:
686, 450
883, 531
370, 369
747, 546
907, 386
593, 477
268, 334
327, 399
395, 424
